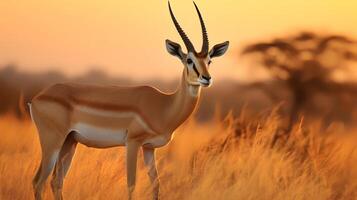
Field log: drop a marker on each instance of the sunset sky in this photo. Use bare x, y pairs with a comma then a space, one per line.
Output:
126, 38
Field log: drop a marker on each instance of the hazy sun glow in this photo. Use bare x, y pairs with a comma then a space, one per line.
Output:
127, 37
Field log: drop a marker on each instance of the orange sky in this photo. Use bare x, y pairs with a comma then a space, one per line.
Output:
127, 37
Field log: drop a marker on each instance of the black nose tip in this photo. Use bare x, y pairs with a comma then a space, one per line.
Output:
207, 78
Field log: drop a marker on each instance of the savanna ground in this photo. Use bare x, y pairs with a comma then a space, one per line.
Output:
229, 158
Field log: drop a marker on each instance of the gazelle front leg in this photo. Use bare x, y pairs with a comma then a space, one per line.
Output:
149, 160
131, 158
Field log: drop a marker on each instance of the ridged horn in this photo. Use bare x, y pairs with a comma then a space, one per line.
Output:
183, 35
205, 42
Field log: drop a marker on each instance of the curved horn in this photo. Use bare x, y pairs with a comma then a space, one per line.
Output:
205, 42
183, 35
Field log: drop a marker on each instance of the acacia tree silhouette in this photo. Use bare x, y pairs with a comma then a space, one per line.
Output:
304, 63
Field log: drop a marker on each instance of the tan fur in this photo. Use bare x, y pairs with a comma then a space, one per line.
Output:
59, 107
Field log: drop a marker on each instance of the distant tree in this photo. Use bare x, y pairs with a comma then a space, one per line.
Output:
305, 62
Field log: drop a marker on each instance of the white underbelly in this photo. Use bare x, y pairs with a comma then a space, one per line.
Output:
99, 137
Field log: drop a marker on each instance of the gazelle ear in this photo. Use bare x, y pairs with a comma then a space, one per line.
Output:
219, 49
174, 49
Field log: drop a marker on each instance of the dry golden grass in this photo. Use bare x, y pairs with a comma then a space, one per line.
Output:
205, 161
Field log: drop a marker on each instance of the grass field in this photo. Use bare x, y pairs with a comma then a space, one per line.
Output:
223, 159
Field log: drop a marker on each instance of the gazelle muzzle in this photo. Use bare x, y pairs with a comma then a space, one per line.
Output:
205, 81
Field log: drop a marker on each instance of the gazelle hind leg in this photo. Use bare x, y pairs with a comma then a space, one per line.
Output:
51, 123
51, 138
62, 165
48, 161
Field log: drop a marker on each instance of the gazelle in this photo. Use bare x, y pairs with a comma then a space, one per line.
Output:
108, 116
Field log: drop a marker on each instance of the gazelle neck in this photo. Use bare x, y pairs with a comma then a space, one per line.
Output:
186, 91
184, 102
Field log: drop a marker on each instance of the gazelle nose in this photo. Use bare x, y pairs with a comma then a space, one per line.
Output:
205, 81
207, 78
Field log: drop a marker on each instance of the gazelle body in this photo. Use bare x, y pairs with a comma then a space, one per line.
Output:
108, 116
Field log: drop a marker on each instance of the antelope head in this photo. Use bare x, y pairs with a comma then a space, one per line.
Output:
196, 63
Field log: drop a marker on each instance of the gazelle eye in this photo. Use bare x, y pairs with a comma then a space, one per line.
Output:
189, 61
209, 62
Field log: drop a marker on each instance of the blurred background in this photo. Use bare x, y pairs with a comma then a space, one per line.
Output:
279, 121
298, 55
